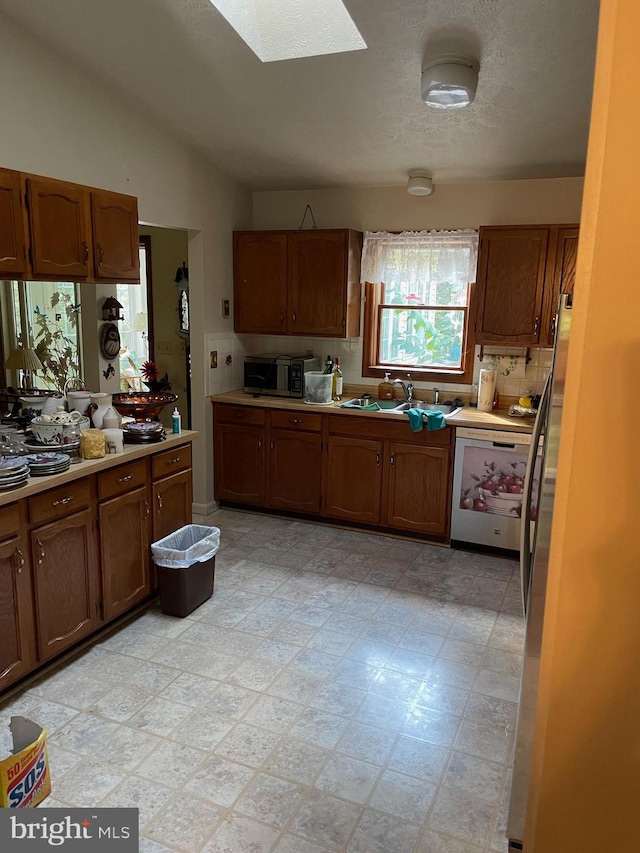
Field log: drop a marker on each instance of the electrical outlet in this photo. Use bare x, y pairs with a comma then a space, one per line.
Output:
214, 358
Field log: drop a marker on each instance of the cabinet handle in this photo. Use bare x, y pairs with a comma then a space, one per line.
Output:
296, 420
125, 478
175, 461
100, 255
85, 252
41, 554
239, 414
62, 501
553, 327
147, 507
259, 443
271, 444
282, 316
293, 317
535, 325
20, 557
392, 460
160, 504
378, 459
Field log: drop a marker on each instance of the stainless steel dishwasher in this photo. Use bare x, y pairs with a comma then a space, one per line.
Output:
488, 481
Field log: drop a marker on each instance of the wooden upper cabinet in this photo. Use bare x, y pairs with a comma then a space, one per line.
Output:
115, 236
13, 250
260, 281
521, 272
564, 275
297, 282
512, 264
60, 229
320, 301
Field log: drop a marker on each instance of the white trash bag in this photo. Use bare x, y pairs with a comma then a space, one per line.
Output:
193, 543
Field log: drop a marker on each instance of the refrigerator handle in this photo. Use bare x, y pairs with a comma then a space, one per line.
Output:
525, 529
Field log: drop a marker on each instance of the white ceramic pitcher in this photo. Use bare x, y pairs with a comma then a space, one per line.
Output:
102, 402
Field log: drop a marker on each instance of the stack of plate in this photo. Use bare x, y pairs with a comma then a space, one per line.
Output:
71, 448
143, 432
14, 471
41, 464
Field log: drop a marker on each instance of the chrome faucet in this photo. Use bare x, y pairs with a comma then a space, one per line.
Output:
407, 387
436, 396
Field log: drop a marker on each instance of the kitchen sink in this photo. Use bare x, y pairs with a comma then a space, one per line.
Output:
445, 408
400, 408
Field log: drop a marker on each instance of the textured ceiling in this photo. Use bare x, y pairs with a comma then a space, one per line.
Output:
349, 119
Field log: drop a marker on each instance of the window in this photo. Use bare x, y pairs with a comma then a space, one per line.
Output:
136, 330
417, 303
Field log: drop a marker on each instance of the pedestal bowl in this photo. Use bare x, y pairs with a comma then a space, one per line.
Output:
142, 405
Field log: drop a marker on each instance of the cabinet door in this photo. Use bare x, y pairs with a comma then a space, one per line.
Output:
59, 215
317, 279
353, 479
171, 504
239, 464
295, 470
259, 282
511, 276
13, 253
417, 492
16, 612
115, 236
563, 277
124, 544
66, 582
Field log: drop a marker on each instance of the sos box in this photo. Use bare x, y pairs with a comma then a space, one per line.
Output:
25, 779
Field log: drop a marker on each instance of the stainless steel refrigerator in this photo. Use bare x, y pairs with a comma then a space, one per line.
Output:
534, 564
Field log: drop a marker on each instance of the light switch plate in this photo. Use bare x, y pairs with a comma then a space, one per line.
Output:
214, 358
225, 308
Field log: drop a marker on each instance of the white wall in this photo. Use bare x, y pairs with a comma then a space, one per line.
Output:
58, 122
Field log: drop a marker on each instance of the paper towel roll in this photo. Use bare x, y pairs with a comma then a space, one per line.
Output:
486, 389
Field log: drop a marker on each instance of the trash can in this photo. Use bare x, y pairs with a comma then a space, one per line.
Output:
186, 562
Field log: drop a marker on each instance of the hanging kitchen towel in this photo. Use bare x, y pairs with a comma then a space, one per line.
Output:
419, 419
486, 390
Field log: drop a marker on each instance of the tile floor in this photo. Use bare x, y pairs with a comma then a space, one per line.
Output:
341, 691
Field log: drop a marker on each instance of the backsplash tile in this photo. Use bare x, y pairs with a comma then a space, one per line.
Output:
230, 377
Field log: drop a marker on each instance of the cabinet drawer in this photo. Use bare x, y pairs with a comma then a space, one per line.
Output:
239, 415
296, 420
9, 520
122, 479
171, 461
60, 502
398, 430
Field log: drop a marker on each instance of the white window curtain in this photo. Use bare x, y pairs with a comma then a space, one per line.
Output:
412, 264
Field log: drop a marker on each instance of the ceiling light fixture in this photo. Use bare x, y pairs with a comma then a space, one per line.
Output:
291, 29
419, 183
449, 82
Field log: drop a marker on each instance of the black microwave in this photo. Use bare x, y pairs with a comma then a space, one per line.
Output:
278, 375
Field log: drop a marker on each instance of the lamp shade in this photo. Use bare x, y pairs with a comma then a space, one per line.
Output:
23, 359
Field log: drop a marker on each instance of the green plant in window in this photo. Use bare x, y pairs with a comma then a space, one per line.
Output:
57, 351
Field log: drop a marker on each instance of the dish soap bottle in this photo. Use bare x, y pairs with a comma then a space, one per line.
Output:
385, 389
175, 421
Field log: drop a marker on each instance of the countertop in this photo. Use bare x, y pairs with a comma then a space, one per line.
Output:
466, 417
77, 470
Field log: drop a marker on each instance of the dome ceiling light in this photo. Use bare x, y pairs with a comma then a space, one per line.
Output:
419, 183
449, 82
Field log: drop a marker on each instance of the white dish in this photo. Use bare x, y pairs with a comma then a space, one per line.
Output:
9, 465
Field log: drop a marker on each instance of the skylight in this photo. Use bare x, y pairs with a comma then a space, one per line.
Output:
290, 29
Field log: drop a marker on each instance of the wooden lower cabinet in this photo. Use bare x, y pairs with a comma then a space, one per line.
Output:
353, 486
417, 494
171, 504
124, 545
295, 471
66, 582
16, 611
240, 464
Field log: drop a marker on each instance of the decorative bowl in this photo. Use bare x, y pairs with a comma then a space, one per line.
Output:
142, 405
